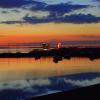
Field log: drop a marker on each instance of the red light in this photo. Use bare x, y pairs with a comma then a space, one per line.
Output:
59, 45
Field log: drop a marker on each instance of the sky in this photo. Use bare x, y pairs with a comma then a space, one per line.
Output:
49, 20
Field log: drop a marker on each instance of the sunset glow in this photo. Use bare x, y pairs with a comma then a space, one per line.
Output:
78, 21
48, 32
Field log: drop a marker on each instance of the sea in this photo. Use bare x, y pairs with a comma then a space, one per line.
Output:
23, 78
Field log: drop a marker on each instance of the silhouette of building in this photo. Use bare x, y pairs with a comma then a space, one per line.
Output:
48, 46
45, 46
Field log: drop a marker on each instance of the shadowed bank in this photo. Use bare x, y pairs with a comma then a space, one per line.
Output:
91, 92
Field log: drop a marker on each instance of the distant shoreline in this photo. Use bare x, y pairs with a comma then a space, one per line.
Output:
57, 54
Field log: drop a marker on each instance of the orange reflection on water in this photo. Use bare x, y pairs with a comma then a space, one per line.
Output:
25, 68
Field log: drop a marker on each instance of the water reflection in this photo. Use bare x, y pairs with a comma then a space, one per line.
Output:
19, 68
21, 78
22, 89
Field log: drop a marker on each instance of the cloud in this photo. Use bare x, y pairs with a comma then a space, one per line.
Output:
40, 5
15, 3
75, 18
96, 0
81, 18
62, 8
83, 82
57, 13
54, 8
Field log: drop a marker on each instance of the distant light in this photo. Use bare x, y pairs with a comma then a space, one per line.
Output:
45, 49
59, 45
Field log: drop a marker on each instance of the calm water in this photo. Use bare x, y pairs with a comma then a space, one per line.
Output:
22, 78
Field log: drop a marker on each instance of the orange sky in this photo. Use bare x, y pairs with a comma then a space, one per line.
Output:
44, 32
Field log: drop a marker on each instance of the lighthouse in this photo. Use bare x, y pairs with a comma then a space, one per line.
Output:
59, 45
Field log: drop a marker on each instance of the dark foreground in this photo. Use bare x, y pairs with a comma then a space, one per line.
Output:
90, 93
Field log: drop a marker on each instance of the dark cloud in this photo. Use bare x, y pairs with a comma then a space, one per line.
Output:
11, 3
81, 18
36, 5
56, 11
75, 18
97, 0
16, 3
60, 9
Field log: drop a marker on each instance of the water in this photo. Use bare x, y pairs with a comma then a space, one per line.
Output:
22, 50
22, 78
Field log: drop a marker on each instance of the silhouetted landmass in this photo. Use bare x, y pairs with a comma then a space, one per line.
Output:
57, 54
